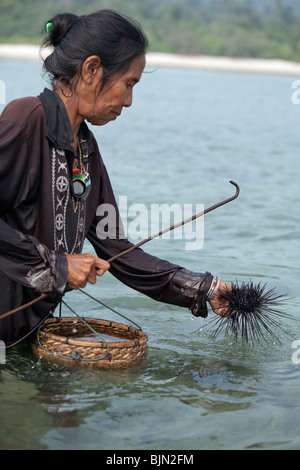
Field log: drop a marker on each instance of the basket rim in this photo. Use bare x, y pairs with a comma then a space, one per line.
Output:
141, 336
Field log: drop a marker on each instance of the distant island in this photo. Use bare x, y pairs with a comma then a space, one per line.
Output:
163, 59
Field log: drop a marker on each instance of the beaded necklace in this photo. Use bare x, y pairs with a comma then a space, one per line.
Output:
81, 181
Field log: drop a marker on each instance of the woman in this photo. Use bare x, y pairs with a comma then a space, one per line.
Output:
52, 180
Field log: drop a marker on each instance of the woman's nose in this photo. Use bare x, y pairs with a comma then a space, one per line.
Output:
128, 98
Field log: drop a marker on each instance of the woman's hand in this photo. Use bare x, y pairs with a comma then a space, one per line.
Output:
216, 304
84, 268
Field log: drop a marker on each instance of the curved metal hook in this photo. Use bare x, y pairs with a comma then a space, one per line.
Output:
219, 204
190, 219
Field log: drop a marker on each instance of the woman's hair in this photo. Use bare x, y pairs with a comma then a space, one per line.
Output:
114, 38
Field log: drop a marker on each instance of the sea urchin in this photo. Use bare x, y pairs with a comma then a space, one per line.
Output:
251, 311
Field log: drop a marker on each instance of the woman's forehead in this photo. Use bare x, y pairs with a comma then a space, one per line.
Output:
136, 68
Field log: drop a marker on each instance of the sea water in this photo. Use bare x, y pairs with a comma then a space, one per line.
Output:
187, 134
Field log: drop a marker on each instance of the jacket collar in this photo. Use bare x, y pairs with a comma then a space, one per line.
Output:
59, 131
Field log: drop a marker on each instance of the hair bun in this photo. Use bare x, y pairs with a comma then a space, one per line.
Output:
114, 38
61, 24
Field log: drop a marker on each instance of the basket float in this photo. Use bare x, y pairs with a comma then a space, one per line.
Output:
69, 341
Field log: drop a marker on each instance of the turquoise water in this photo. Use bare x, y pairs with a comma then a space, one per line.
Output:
188, 133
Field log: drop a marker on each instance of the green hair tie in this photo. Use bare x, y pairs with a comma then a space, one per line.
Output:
48, 27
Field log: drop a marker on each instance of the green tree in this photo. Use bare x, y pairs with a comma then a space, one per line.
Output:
239, 28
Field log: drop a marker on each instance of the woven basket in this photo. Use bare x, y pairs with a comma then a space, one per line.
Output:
67, 340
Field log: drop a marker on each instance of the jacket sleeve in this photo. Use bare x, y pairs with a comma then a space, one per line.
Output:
22, 257
154, 277
26, 261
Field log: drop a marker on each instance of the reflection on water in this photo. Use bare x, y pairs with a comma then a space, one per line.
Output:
195, 399
95, 337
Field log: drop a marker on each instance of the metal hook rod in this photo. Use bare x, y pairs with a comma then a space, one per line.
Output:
190, 219
179, 224
22, 307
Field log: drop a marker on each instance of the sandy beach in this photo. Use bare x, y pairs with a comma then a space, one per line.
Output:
157, 59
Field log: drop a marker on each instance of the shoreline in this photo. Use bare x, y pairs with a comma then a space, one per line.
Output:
161, 59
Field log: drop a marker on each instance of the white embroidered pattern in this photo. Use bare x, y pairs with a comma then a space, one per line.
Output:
41, 279
61, 199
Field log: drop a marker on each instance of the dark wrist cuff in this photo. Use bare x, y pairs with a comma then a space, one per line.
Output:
194, 288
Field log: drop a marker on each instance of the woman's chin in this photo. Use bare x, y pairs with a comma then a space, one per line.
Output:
100, 122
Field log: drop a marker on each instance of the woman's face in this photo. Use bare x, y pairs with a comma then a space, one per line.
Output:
115, 95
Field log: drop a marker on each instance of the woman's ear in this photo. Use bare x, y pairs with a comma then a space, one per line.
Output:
92, 70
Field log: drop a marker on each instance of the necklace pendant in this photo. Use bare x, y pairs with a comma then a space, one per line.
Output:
81, 184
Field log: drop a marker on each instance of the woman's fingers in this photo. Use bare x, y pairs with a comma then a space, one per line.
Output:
99, 268
218, 305
84, 268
